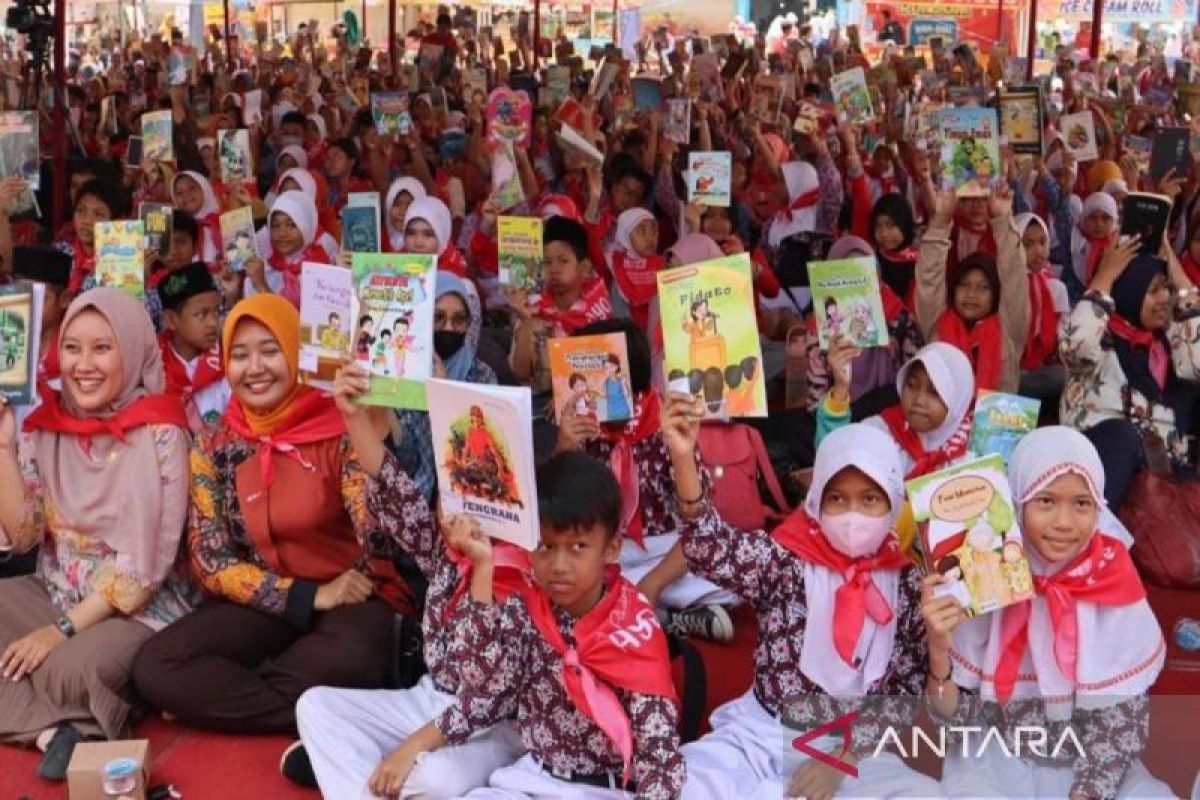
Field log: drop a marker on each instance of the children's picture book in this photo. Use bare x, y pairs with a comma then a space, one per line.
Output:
519, 244
710, 336
1146, 215
558, 86
327, 311
391, 113
847, 302
1079, 136
1021, 118
1170, 151
120, 247
590, 374
851, 97
361, 223
237, 237
677, 125
509, 117
20, 340
236, 160
393, 335
19, 154
475, 86
970, 150
483, 447
649, 93
709, 178
507, 190
157, 218
157, 144
969, 532
1000, 421
252, 107
1139, 147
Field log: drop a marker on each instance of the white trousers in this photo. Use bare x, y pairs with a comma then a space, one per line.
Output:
687, 591
748, 756
993, 775
527, 780
348, 732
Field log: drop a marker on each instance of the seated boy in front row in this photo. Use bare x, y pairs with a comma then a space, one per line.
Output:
580, 655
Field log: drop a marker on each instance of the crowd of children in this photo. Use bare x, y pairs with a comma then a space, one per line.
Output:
188, 527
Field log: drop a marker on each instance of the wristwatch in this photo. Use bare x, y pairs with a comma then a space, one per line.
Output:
65, 626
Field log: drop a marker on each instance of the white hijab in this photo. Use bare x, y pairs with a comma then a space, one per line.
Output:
414, 188
1120, 648
800, 178
1096, 201
434, 212
873, 452
210, 198
629, 219
302, 211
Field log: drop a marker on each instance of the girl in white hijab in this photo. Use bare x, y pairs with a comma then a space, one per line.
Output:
429, 229
1076, 661
301, 180
401, 194
291, 240
837, 605
191, 192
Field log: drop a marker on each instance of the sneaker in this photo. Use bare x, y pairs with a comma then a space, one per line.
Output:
296, 767
711, 622
57, 758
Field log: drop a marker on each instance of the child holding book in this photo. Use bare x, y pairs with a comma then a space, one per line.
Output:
839, 615
401, 194
1042, 374
293, 229
191, 192
979, 303
428, 229
1079, 657
191, 358
1095, 232
579, 659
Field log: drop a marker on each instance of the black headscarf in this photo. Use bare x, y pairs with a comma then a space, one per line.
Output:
897, 267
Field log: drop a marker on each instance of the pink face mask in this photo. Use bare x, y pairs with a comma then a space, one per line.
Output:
854, 534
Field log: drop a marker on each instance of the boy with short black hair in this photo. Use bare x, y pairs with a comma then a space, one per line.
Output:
579, 659
191, 357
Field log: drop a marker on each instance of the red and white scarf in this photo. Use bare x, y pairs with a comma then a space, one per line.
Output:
647, 420
593, 305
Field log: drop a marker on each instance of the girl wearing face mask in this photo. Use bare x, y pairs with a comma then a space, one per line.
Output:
1082, 653
838, 606
292, 229
428, 229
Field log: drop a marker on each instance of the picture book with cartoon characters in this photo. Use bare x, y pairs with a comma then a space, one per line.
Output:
233, 147
238, 243
19, 147
20, 340
157, 219
157, 144
1021, 118
393, 335
969, 533
970, 150
851, 97
847, 302
509, 117
327, 306
391, 113
710, 336
1000, 421
709, 178
483, 446
120, 261
519, 248
590, 375
677, 124
1079, 135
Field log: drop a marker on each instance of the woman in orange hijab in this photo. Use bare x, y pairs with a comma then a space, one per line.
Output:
283, 539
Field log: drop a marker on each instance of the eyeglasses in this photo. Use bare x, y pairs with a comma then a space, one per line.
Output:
443, 320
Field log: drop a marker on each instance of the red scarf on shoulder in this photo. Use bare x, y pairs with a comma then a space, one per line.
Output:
511, 573
637, 279
618, 643
313, 418
647, 420
925, 461
289, 265
151, 409
1096, 245
208, 369
451, 260
982, 343
1042, 340
1160, 354
1103, 574
592, 306
83, 265
858, 596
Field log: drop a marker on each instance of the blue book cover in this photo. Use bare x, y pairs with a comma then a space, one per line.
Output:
360, 229
1000, 422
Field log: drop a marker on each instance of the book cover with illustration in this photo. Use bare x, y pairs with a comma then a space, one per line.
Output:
120, 261
852, 97
1000, 421
519, 244
393, 335
391, 113
969, 532
327, 306
710, 336
237, 164
509, 117
157, 144
157, 219
1079, 135
361, 223
710, 178
20, 340
1139, 148
1021, 118
19, 153
483, 446
847, 302
475, 91
591, 375
238, 243
677, 126
970, 150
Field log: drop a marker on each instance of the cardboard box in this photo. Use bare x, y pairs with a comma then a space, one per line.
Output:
85, 774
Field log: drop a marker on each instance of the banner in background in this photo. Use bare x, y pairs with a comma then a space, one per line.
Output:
1145, 11
974, 21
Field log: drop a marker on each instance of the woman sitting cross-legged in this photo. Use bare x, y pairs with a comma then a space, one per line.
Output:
302, 589
99, 480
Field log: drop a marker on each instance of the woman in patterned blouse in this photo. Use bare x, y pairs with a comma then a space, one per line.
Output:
1076, 662
101, 484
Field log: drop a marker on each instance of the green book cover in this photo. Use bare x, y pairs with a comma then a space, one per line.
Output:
1000, 422
120, 261
393, 335
847, 302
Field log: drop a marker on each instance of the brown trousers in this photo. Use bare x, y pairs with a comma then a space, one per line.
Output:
232, 668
